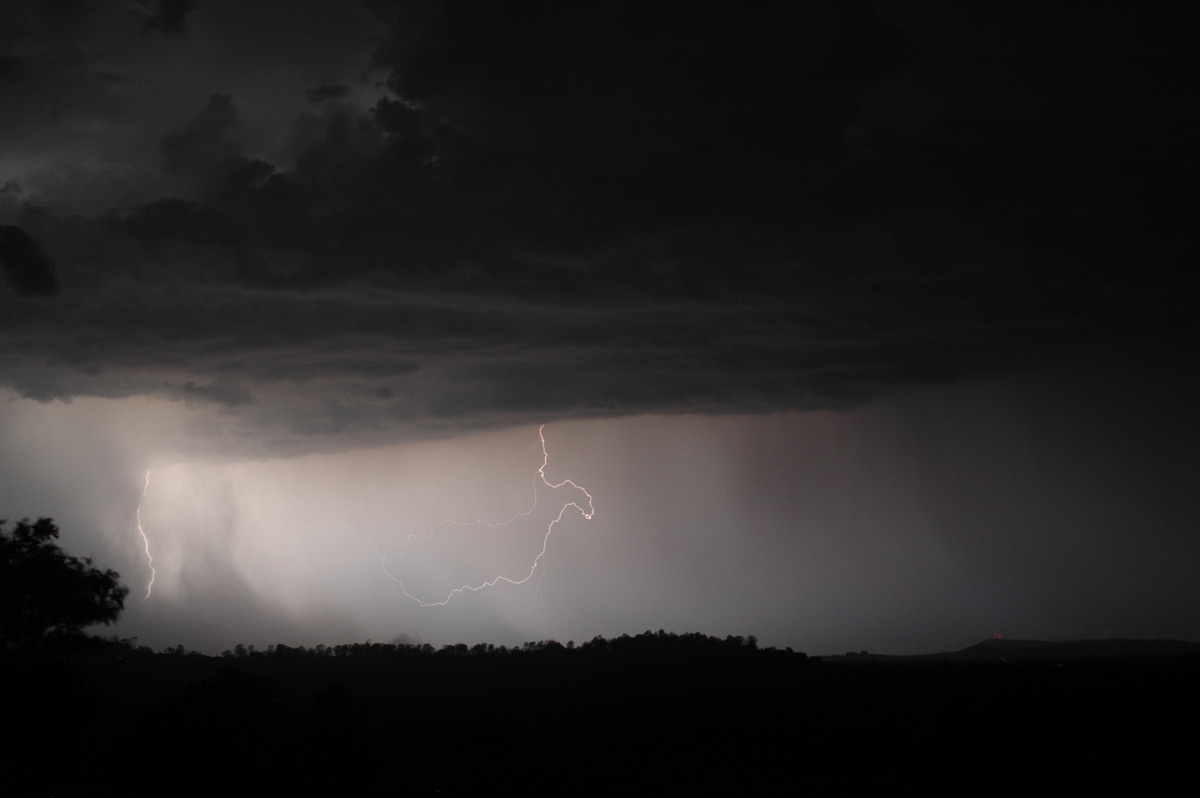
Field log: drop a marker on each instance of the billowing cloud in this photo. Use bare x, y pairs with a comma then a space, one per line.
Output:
641, 211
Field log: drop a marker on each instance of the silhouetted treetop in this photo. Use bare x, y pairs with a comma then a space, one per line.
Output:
46, 593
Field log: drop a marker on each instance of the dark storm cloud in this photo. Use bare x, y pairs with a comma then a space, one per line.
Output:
216, 393
46, 75
762, 153
323, 93
629, 116
168, 16
567, 210
9, 65
616, 120
27, 268
204, 142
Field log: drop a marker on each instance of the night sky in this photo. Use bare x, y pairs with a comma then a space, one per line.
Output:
864, 325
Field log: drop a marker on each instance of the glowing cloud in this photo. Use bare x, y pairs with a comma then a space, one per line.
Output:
492, 582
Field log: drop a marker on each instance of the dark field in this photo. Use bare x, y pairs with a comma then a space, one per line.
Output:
651, 714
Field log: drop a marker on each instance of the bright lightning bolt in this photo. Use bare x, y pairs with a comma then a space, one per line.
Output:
537, 561
145, 539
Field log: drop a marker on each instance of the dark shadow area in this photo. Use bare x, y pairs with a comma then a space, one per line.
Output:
644, 714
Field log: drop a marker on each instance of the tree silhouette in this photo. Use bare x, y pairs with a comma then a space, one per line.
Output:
47, 594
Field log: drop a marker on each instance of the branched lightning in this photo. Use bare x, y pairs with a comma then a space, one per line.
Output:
145, 539
537, 561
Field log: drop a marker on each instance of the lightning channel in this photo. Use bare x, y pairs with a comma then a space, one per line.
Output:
579, 506
145, 539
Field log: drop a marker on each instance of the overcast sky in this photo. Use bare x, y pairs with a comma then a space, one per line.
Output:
863, 326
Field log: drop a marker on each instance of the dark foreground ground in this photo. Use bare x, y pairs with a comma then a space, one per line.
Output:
651, 714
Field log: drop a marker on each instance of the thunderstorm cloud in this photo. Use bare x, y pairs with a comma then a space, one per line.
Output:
643, 211
860, 320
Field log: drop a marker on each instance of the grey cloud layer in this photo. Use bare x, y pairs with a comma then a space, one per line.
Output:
567, 212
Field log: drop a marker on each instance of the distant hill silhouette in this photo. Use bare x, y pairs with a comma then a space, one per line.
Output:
1005, 650
1077, 649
